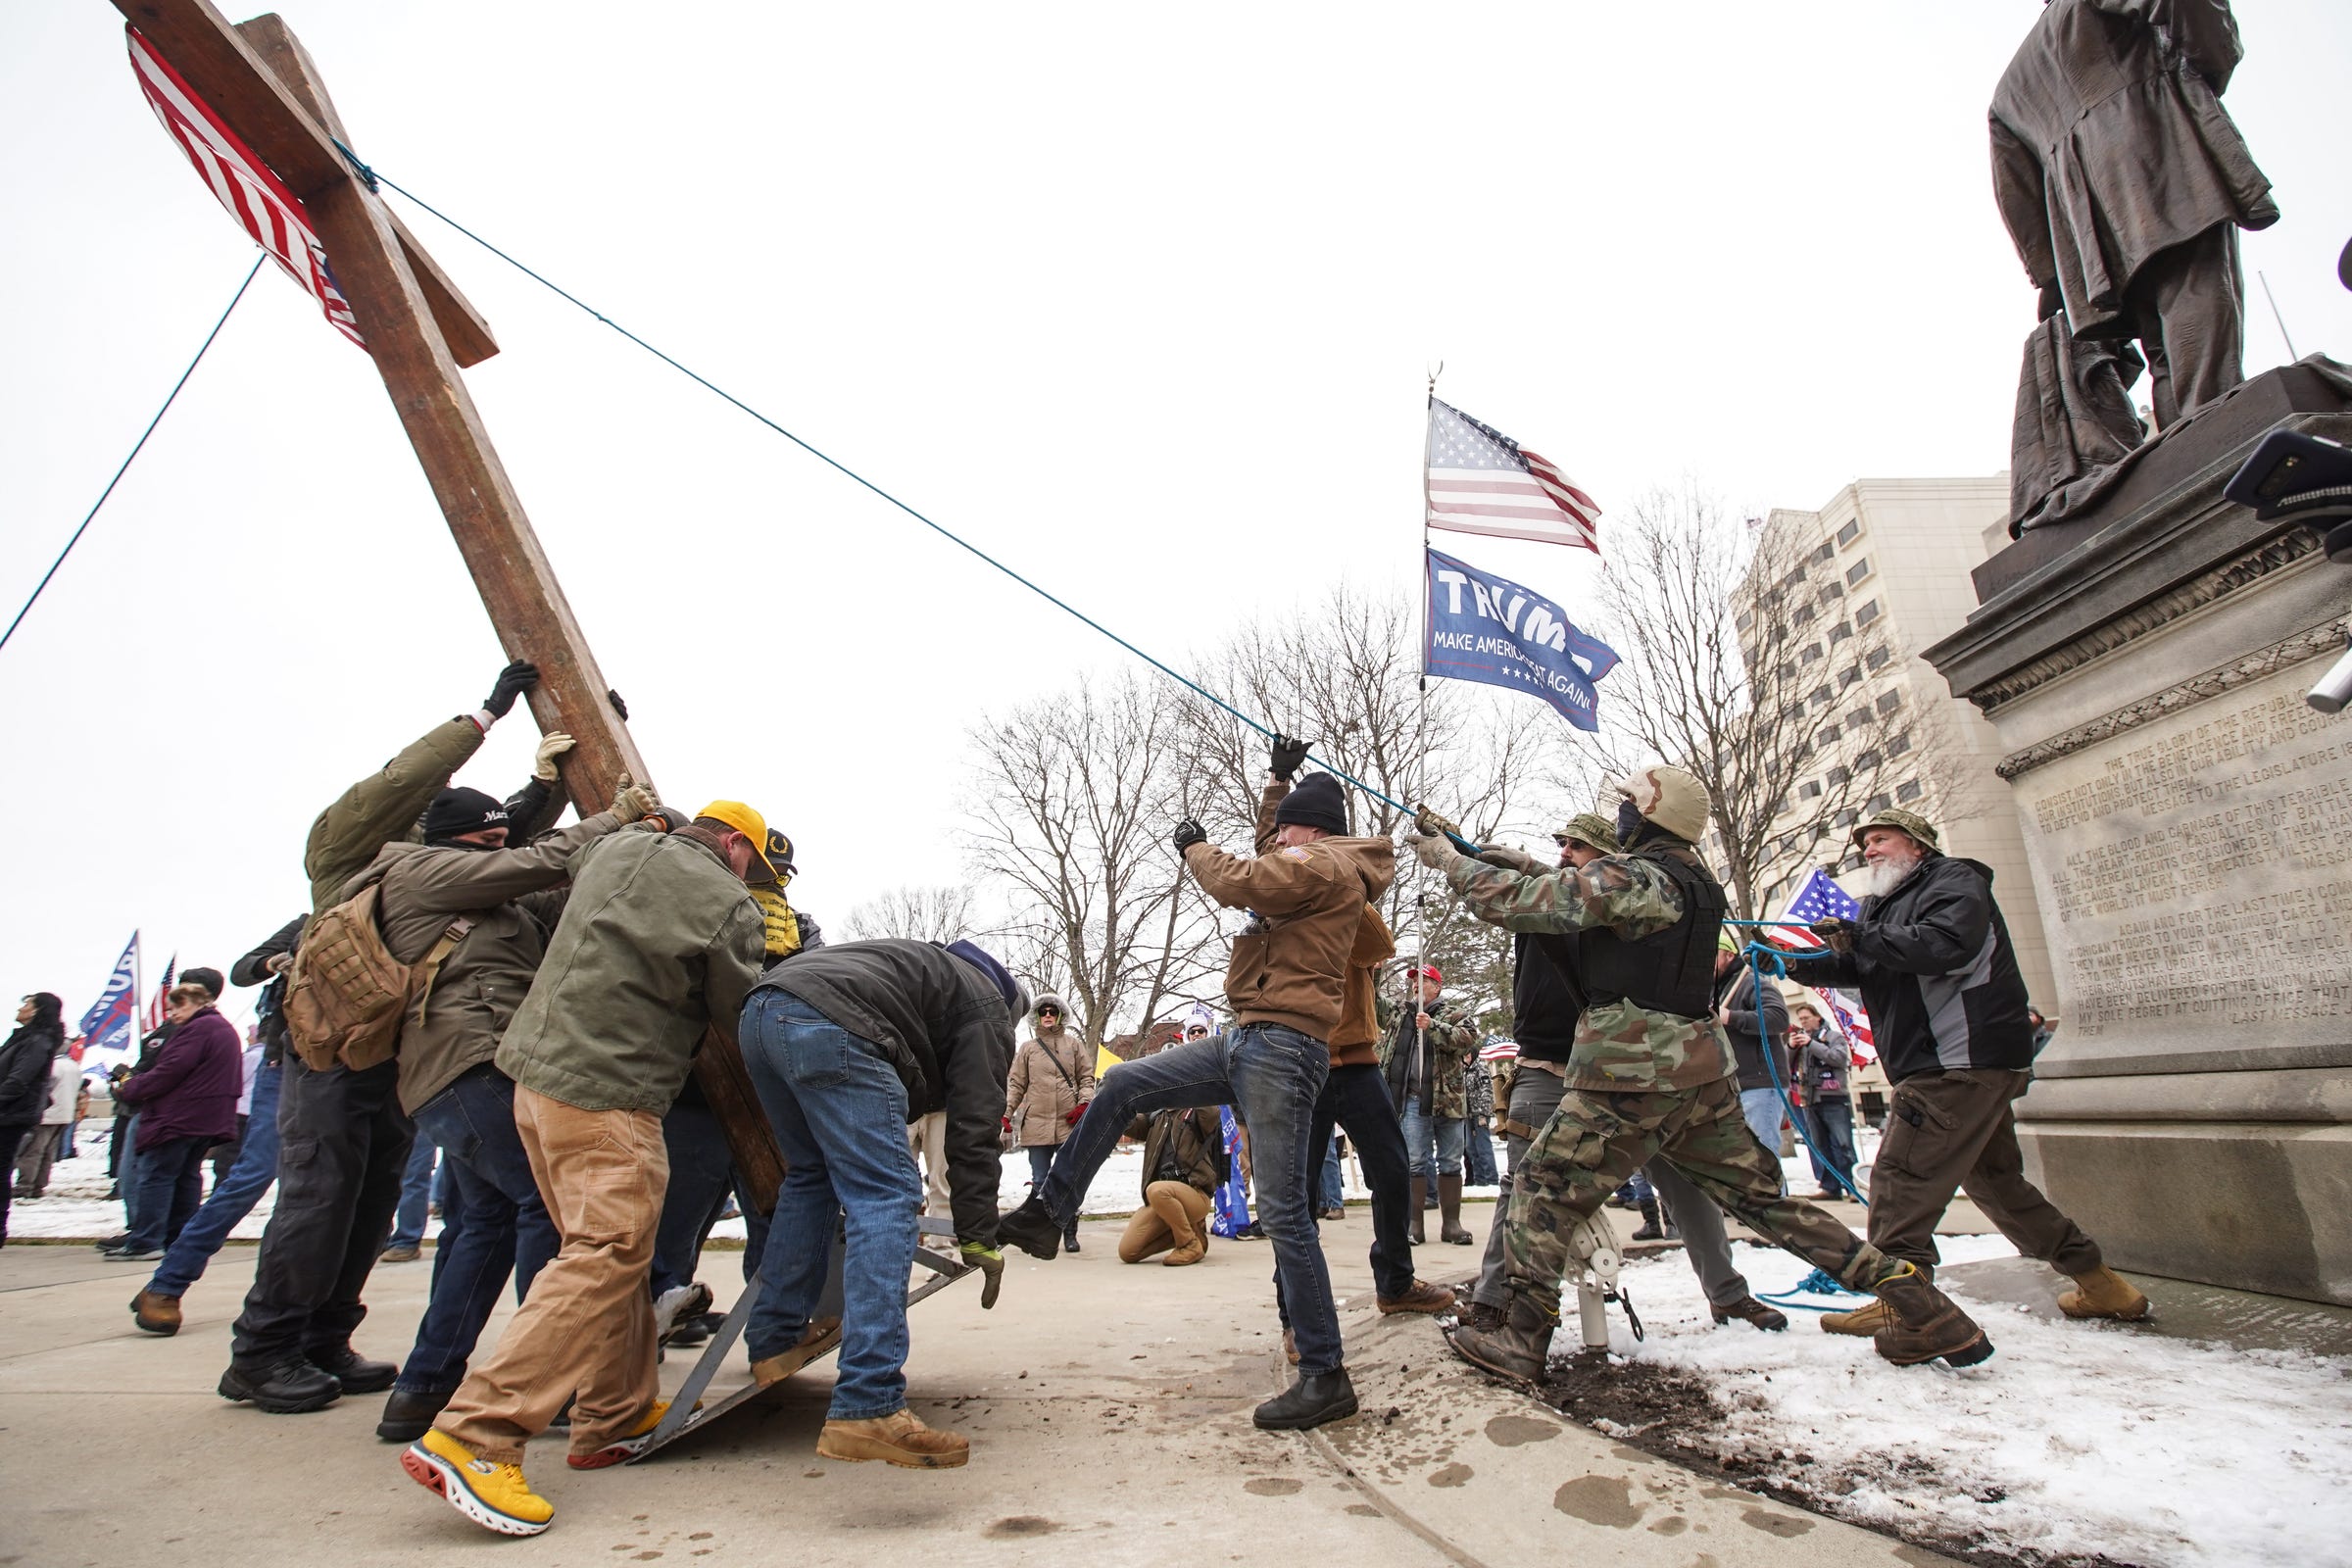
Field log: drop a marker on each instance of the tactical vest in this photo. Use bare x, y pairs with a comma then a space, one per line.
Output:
1671, 970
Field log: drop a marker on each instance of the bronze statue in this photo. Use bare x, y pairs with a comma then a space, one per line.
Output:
2124, 184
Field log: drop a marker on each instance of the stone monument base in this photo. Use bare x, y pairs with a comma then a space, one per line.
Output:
2189, 821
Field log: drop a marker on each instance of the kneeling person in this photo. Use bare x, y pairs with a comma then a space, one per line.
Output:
1183, 1166
846, 1046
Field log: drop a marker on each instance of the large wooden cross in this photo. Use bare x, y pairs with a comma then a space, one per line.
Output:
419, 329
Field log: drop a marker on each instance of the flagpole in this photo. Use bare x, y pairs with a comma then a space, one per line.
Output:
1420, 737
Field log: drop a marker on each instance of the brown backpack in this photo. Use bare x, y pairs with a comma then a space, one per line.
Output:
346, 996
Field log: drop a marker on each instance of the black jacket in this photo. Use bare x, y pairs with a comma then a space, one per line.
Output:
25, 1064
1546, 997
253, 969
1749, 1024
1937, 973
940, 1022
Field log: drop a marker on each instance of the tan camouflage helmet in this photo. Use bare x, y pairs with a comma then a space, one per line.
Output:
1668, 796
1902, 822
1589, 827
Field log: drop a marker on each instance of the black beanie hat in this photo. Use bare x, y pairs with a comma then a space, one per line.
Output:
461, 811
1316, 802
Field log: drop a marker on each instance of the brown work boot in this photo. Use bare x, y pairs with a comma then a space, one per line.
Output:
1862, 1322
1479, 1315
894, 1439
1191, 1252
1517, 1347
1747, 1309
1928, 1324
1419, 1297
815, 1340
2101, 1292
1450, 1212
159, 1314
1289, 1346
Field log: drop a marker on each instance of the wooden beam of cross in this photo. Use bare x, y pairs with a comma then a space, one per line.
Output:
419, 329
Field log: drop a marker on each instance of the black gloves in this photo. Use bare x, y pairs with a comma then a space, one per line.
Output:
513, 681
618, 707
1188, 833
1287, 755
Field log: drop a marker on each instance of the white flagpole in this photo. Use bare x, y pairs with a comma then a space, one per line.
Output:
1421, 727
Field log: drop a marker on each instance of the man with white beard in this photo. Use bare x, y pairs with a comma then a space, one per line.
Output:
1932, 958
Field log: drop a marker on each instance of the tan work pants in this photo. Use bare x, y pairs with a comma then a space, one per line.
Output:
928, 1139
1174, 1214
585, 1333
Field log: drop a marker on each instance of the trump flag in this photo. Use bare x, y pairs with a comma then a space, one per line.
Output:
1487, 628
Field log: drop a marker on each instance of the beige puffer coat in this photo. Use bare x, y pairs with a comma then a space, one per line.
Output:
1052, 1075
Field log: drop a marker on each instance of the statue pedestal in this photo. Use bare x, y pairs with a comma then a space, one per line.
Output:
2189, 821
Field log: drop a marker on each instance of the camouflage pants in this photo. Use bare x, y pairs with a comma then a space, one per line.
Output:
1595, 1140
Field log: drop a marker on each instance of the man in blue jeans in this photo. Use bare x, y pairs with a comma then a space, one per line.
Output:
846, 1046
407, 1240
1288, 985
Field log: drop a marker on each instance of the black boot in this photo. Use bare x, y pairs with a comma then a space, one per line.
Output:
1031, 1228
409, 1414
1069, 1238
1420, 1190
1309, 1403
1649, 1231
1517, 1347
1450, 1212
353, 1371
289, 1386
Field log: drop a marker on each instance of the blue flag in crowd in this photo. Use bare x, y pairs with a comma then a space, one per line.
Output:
1230, 1204
107, 1026
1486, 628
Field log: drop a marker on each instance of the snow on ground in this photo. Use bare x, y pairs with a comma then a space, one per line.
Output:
2075, 1439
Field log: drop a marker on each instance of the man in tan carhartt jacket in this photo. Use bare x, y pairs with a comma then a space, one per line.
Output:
1288, 984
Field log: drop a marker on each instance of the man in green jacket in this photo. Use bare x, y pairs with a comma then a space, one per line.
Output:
659, 941
343, 1141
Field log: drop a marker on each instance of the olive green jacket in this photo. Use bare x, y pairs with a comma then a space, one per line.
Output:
382, 807
658, 938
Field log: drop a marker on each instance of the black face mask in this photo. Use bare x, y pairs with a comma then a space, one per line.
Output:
1628, 822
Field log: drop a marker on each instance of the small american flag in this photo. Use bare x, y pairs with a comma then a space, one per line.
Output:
254, 196
1482, 481
155, 1008
1499, 1049
1821, 898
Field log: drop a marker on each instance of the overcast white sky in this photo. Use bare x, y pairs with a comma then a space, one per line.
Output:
1138, 298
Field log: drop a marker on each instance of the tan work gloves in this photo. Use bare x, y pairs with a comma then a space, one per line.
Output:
633, 800
552, 745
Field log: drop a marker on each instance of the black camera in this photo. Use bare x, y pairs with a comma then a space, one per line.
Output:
2308, 479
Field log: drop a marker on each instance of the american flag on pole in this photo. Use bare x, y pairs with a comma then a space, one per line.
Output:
1499, 1047
254, 196
155, 1008
1821, 898
1482, 481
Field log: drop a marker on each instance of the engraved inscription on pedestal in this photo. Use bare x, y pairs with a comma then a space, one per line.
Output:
2195, 876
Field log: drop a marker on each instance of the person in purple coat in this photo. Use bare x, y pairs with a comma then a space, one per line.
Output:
187, 1102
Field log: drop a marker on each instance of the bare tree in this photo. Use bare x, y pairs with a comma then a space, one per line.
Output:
1345, 675
1742, 664
920, 914
1076, 796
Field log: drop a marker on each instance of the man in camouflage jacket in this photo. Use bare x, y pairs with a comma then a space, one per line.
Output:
1425, 1054
1649, 1074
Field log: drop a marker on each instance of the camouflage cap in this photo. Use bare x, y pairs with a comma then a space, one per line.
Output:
1589, 827
1902, 822
1670, 797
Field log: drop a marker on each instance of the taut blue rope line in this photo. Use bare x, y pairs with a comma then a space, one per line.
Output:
1758, 952
377, 177
136, 447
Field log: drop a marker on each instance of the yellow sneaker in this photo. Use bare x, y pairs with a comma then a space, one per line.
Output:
495, 1497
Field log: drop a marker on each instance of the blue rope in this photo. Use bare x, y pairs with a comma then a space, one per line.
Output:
1757, 953
137, 447
376, 177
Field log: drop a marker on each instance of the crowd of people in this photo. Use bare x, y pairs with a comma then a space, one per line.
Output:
540, 994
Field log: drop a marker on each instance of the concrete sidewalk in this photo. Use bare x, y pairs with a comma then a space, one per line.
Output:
1109, 1407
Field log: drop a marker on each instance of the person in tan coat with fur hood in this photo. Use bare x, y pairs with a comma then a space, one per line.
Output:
1052, 1081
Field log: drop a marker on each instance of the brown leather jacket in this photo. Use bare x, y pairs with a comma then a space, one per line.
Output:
1198, 1140
1296, 965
